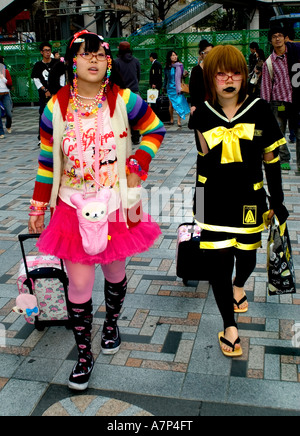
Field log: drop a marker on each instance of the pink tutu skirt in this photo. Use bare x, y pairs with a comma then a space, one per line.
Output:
61, 237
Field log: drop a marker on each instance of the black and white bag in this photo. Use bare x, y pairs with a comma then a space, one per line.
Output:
280, 266
191, 261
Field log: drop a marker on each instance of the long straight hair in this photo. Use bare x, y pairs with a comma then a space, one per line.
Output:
168, 58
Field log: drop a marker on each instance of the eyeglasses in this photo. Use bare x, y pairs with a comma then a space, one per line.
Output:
46, 49
222, 77
279, 36
89, 56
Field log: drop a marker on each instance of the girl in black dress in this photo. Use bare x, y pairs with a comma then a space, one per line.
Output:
237, 134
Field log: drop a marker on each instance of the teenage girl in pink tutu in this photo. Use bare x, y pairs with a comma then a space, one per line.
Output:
90, 177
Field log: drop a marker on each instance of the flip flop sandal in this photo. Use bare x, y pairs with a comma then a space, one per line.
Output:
238, 303
234, 352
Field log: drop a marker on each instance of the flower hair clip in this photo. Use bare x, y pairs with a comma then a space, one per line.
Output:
78, 40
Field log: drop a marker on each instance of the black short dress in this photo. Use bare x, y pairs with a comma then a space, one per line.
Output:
230, 203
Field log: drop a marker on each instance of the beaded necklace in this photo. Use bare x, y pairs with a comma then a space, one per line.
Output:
89, 108
95, 107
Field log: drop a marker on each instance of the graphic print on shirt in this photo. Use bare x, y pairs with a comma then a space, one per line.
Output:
108, 160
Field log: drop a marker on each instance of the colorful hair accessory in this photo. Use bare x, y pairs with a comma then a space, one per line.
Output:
78, 40
77, 35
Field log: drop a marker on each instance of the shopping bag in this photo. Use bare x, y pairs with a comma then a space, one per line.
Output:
152, 95
280, 267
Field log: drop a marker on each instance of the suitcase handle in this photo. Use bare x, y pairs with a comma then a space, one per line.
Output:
23, 238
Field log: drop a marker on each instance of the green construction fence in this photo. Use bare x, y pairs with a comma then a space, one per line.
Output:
20, 58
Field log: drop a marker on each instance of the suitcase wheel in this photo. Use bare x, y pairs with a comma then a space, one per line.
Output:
39, 326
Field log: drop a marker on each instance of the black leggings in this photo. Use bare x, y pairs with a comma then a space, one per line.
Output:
222, 262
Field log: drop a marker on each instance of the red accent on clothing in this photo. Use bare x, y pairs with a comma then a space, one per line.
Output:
143, 159
9, 79
63, 96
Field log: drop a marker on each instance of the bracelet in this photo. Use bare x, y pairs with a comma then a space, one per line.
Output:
38, 206
38, 203
132, 166
36, 213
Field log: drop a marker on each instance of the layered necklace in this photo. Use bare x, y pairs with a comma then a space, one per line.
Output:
82, 110
89, 108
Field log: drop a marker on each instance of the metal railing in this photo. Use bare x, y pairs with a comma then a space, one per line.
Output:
193, 9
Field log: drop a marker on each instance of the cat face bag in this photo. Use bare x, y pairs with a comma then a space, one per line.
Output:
92, 216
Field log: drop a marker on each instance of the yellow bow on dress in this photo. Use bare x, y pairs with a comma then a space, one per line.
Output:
231, 151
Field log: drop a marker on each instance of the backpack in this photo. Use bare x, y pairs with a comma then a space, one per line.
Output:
270, 67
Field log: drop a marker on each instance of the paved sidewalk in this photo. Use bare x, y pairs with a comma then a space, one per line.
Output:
169, 363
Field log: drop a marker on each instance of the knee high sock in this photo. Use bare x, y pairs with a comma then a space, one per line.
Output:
222, 262
245, 262
114, 298
81, 316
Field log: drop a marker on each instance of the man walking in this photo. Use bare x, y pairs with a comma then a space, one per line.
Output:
40, 75
155, 77
279, 86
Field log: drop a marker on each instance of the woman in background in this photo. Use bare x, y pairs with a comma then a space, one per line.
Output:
173, 78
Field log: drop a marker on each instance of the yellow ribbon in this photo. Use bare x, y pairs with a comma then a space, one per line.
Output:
231, 150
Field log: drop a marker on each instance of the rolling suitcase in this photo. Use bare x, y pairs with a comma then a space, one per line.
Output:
192, 263
44, 277
162, 108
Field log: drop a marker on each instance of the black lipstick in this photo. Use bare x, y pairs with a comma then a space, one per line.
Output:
230, 89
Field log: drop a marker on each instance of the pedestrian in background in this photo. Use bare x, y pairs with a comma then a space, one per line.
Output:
174, 74
155, 76
197, 89
278, 87
40, 76
5, 98
57, 76
129, 68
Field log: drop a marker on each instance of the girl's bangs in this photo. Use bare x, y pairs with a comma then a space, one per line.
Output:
229, 61
92, 42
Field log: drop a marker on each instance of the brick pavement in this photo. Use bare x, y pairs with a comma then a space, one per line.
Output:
169, 362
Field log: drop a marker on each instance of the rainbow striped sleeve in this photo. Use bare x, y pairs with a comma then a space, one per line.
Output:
44, 178
141, 117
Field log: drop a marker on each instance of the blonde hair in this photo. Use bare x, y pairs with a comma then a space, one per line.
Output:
224, 58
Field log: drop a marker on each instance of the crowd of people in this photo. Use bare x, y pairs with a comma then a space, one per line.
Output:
86, 158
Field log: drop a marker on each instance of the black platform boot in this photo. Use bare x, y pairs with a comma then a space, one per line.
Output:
114, 298
81, 316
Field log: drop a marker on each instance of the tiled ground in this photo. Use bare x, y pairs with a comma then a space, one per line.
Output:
170, 362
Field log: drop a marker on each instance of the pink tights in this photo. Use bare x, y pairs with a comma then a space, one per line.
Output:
82, 278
